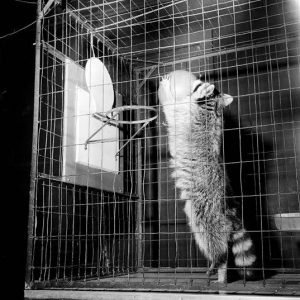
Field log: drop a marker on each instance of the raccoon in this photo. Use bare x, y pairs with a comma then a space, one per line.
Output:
195, 125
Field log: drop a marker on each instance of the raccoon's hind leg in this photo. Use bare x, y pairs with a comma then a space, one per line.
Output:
212, 269
222, 271
213, 248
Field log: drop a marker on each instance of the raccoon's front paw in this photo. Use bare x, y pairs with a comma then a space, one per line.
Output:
165, 82
164, 91
204, 90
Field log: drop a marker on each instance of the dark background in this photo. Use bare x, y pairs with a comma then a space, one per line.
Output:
17, 57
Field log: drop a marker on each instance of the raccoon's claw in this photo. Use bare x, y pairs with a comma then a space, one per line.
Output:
165, 79
165, 82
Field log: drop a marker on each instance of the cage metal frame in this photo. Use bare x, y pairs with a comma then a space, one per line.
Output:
140, 83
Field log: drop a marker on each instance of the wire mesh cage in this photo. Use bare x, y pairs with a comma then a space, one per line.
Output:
105, 210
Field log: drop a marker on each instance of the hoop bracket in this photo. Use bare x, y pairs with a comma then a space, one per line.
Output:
109, 118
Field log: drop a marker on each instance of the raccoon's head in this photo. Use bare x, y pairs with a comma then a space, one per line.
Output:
215, 101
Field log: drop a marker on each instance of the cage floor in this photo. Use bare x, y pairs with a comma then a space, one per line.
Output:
167, 281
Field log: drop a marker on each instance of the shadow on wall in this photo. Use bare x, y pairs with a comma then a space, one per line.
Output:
246, 153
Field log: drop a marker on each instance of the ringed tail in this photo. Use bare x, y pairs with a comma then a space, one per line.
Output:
243, 252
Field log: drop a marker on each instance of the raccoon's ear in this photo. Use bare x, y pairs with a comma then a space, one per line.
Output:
227, 99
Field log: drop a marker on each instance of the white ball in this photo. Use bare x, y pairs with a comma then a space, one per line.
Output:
181, 83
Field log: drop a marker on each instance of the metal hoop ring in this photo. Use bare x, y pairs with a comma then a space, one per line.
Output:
129, 107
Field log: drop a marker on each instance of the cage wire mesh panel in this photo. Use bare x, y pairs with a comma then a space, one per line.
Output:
105, 206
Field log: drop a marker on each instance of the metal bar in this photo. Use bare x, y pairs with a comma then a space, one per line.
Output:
58, 54
100, 117
129, 295
139, 209
59, 179
152, 69
111, 46
106, 122
97, 5
223, 52
43, 12
33, 175
131, 18
131, 138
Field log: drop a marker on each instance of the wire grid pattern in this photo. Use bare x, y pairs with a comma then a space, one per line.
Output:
136, 232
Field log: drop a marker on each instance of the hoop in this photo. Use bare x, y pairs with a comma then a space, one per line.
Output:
117, 110
113, 121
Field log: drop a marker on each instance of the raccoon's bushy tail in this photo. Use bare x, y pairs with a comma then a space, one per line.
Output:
243, 252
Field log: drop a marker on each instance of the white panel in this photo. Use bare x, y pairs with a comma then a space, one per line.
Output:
97, 165
101, 155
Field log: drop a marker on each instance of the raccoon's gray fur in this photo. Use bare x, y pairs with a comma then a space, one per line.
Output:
195, 138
